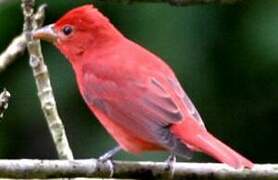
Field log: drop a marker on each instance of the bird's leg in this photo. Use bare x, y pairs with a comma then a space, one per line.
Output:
170, 161
109, 154
106, 158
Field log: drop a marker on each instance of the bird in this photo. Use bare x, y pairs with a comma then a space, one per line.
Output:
134, 94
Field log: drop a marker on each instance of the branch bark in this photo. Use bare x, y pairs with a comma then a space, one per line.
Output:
15, 48
40, 73
4, 101
147, 170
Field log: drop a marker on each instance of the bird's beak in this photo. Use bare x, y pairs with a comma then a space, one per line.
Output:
46, 33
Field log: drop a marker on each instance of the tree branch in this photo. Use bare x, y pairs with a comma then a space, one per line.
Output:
4, 101
41, 76
16, 48
146, 170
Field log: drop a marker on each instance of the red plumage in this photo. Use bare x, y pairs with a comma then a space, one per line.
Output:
134, 94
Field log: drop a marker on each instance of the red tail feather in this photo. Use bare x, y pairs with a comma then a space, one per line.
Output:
212, 146
199, 139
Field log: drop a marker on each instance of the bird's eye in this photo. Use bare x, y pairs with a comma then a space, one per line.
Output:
67, 30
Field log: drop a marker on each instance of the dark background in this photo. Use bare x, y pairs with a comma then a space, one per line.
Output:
226, 57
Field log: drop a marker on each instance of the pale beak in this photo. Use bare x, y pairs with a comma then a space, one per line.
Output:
46, 33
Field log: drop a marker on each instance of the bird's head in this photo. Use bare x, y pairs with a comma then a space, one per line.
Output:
81, 29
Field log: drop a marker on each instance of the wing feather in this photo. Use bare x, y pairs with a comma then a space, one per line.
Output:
188, 103
146, 108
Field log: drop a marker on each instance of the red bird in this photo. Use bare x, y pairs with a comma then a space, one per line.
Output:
134, 94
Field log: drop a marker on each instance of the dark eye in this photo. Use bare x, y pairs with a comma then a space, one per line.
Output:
67, 30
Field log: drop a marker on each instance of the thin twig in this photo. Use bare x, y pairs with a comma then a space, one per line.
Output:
4, 101
15, 48
139, 170
41, 76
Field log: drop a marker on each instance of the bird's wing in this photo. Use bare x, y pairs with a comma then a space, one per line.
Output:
145, 108
185, 100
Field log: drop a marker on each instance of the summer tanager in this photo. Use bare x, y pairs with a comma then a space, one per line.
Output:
134, 94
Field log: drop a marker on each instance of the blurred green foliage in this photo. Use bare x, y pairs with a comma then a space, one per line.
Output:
226, 57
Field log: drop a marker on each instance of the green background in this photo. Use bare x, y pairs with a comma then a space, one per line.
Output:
226, 57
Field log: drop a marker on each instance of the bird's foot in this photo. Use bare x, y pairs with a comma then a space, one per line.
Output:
109, 154
106, 158
170, 162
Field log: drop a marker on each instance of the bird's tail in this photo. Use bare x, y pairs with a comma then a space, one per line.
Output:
207, 143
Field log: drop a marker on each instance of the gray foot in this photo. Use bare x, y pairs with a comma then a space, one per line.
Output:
109, 155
